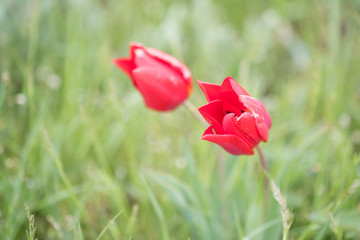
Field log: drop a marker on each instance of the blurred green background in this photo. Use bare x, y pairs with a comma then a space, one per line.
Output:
80, 148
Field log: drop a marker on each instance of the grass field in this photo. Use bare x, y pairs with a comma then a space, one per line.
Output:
78, 145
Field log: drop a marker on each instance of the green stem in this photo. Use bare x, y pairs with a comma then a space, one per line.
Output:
265, 170
193, 110
220, 161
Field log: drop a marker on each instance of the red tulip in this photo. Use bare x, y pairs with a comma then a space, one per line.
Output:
238, 122
163, 81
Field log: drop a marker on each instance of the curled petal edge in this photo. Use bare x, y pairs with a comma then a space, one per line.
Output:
210, 90
243, 126
231, 143
212, 113
261, 115
126, 65
171, 62
229, 84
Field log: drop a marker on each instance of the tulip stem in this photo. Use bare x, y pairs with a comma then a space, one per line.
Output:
220, 161
265, 170
263, 161
191, 107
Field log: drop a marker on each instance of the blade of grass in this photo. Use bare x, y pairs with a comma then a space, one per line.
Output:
31, 54
158, 210
58, 164
262, 228
111, 222
79, 234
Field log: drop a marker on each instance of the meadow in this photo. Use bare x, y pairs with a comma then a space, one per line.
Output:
80, 148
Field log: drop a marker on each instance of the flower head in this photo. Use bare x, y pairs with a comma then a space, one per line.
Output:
238, 122
163, 81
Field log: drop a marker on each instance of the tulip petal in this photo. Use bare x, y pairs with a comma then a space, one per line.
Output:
171, 62
125, 65
161, 90
234, 106
243, 126
142, 59
229, 94
155, 56
247, 124
262, 117
212, 113
133, 47
210, 90
230, 85
231, 143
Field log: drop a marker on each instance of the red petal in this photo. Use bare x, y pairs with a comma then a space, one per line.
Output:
242, 126
124, 64
171, 62
210, 90
142, 59
246, 123
212, 112
133, 47
230, 85
229, 94
233, 106
128, 64
231, 143
161, 91
262, 117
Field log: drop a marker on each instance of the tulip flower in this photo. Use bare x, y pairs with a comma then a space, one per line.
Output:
163, 81
238, 122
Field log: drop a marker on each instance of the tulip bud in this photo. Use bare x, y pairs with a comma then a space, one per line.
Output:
163, 81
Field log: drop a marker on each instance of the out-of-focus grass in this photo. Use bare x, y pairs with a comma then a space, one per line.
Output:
78, 145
